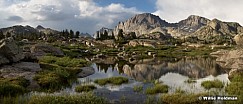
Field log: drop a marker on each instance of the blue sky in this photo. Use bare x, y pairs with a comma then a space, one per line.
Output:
91, 15
142, 5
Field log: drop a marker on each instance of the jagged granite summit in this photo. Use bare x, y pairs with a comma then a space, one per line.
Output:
142, 24
194, 26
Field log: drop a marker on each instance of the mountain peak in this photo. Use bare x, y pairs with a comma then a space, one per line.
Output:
147, 18
195, 16
193, 22
40, 27
141, 24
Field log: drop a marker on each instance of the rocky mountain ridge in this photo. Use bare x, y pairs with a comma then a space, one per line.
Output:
19, 29
194, 26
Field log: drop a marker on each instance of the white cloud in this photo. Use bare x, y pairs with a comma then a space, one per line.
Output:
175, 10
83, 15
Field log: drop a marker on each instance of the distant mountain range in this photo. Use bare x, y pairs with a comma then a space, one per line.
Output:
193, 26
19, 29
144, 25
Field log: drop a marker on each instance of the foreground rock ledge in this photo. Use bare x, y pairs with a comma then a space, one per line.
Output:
232, 60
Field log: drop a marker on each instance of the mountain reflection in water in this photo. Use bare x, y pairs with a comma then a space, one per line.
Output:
152, 69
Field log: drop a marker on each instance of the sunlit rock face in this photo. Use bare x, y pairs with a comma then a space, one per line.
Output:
231, 60
193, 68
141, 24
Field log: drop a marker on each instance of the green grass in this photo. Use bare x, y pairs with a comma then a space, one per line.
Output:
17, 81
138, 88
235, 88
112, 80
181, 98
212, 84
53, 80
58, 72
158, 88
13, 86
63, 61
84, 88
19, 99
179, 90
67, 99
7, 89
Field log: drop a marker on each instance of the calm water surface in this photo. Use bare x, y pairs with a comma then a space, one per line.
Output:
143, 72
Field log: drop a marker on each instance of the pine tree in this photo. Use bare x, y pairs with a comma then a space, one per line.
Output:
77, 34
120, 34
66, 33
105, 35
133, 35
112, 36
71, 34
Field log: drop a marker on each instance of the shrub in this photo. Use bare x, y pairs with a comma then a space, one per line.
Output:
235, 88
48, 59
84, 88
63, 61
13, 86
179, 90
7, 89
17, 81
212, 84
158, 88
19, 99
112, 80
52, 80
68, 62
138, 88
190, 81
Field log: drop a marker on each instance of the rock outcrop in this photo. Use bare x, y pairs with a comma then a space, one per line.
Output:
231, 60
9, 51
39, 50
22, 69
239, 39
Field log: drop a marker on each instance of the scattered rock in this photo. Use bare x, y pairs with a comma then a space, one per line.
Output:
100, 56
86, 71
9, 51
142, 42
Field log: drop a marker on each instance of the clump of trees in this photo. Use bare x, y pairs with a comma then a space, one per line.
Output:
104, 36
70, 34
